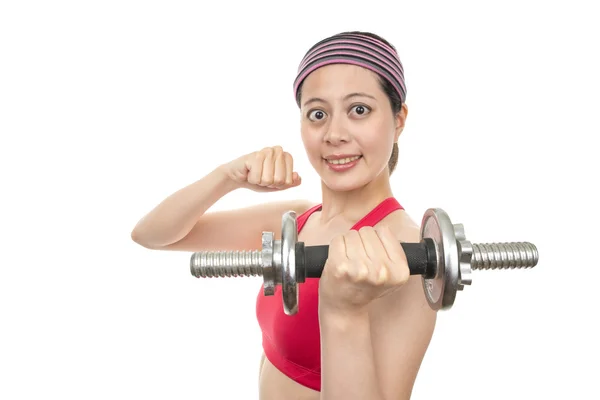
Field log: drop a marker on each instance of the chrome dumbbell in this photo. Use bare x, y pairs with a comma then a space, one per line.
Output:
444, 258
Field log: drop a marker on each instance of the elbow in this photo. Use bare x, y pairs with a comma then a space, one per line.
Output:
139, 238
135, 236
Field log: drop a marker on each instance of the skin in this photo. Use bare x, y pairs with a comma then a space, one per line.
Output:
375, 322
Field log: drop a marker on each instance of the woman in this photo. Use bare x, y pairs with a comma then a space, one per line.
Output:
363, 328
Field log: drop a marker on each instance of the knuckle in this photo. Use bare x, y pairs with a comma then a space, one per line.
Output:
358, 271
362, 272
259, 156
402, 272
382, 275
405, 272
340, 270
354, 274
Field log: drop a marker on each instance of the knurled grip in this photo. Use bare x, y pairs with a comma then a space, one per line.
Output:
310, 260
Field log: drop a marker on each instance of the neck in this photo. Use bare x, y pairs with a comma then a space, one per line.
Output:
352, 205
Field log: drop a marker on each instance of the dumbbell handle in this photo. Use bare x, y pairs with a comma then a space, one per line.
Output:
310, 260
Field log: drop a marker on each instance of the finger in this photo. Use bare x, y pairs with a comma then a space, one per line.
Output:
336, 256
280, 168
354, 246
376, 253
398, 270
296, 179
256, 166
390, 243
289, 169
358, 261
374, 248
268, 169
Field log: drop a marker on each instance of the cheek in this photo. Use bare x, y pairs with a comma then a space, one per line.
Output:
311, 144
380, 139
310, 140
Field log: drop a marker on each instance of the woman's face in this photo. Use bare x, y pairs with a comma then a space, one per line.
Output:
347, 125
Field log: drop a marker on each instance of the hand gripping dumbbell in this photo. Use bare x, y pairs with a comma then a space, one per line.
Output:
444, 258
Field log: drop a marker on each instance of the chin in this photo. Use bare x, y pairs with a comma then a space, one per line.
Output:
338, 186
347, 182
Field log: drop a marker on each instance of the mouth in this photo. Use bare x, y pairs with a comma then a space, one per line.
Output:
342, 160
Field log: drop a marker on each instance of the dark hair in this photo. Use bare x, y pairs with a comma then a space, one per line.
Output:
388, 89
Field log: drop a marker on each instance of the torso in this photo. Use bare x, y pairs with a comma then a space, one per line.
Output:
273, 384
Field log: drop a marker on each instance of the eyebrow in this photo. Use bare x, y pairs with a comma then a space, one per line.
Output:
356, 94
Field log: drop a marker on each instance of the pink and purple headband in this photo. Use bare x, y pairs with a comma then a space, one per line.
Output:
355, 49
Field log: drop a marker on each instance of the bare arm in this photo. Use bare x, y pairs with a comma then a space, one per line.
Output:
348, 368
401, 329
377, 354
181, 221
173, 219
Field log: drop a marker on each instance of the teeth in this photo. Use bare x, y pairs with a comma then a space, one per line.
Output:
343, 160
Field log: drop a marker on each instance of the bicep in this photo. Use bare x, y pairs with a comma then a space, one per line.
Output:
237, 229
402, 327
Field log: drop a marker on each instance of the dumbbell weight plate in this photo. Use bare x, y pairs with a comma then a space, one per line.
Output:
289, 282
441, 289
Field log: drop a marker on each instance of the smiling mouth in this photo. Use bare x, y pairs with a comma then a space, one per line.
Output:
342, 161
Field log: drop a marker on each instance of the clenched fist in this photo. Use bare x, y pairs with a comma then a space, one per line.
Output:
267, 170
362, 266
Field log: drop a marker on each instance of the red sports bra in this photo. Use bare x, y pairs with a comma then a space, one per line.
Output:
293, 343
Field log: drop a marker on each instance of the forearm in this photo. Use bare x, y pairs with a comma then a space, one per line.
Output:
347, 361
175, 216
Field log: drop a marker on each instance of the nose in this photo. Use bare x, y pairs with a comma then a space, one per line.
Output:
337, 132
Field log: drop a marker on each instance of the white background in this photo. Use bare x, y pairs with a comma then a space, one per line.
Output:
108, 107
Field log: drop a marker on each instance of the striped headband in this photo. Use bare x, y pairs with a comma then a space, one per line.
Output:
355, 49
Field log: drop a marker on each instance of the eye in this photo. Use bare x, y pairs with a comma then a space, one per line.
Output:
361, 110
316, 115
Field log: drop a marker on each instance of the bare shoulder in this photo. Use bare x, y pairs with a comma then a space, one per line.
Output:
404, 226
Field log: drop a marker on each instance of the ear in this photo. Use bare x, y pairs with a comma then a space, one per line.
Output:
400, 120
